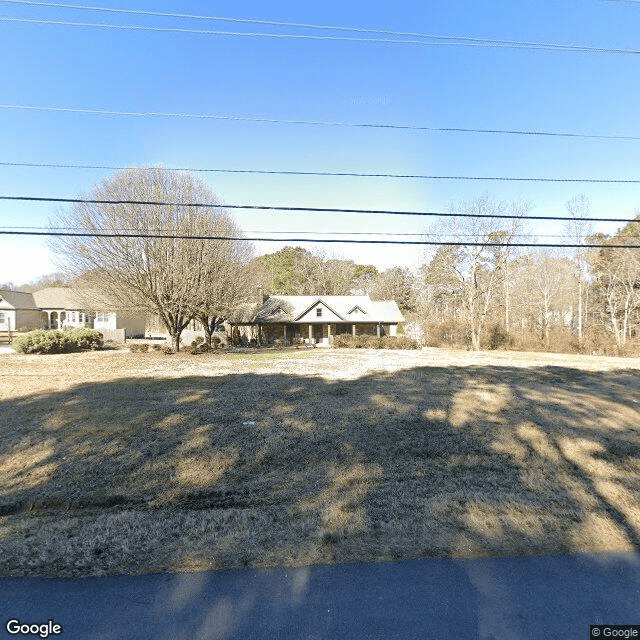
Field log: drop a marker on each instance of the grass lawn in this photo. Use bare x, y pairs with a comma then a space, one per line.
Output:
112, 462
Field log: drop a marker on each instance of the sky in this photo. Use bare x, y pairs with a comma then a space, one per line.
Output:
56, 66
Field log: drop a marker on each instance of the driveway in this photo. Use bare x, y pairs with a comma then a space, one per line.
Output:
520, 598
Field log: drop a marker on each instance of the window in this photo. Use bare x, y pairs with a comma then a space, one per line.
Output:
319, 312
101, 316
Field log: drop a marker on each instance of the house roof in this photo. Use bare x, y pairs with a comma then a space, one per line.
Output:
70, 298
292, 308
18, 299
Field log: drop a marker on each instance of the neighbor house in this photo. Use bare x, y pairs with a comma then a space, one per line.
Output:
18, 310
67, 308
316, 319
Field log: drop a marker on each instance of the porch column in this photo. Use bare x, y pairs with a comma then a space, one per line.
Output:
353, 330
378, 329
284, 326
329, 332
310, 333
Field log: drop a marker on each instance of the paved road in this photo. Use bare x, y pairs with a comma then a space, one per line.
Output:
548, 597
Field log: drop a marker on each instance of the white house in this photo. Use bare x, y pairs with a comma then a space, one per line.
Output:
66, 308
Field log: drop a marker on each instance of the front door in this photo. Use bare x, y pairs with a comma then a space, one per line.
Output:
317, 332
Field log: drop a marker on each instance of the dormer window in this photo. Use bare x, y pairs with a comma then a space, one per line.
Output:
319, 312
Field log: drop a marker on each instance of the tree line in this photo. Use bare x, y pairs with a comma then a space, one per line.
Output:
486, 294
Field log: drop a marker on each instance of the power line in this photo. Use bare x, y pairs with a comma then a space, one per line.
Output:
313, 240
324, 233
307, 209
453, 42
321, 27
349, 174
324, 123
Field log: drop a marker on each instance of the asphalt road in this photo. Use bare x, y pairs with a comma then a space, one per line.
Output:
546, 597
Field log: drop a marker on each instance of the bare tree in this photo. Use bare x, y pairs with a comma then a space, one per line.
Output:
167, 275
617, 275
480, 267
228, 279
548, 281
578, 230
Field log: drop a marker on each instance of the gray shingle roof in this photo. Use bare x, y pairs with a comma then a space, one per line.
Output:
18, 299
70, 298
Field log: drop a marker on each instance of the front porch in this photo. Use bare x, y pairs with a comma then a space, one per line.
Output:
319, 333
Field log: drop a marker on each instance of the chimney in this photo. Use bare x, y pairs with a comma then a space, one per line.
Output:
262, 298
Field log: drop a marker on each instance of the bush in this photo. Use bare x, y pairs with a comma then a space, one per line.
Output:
157, 347
139, 347
499, 338
400, 342
41, 341
216, 341
198, 340
372, 342
447, 334
205, 348
166, 349
343, 341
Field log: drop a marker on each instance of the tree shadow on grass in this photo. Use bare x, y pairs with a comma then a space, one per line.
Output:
180, 474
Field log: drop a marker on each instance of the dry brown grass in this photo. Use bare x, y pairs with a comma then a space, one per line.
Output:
113, 462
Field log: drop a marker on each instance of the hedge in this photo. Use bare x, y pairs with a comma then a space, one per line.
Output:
374, 342
41, 341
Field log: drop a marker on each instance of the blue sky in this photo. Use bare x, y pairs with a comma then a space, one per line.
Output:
435, 86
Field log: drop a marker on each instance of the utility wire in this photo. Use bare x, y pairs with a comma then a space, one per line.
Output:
325, 240
452, 42
298, 25
330, 173
308, 209
440, 236
324, 123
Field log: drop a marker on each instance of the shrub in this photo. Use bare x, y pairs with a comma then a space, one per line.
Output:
157, 347
499, 338
205, 348
343, 341
216, 341
198, 340
405, 342
372, 342
41, 341
447, 334
167, 350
